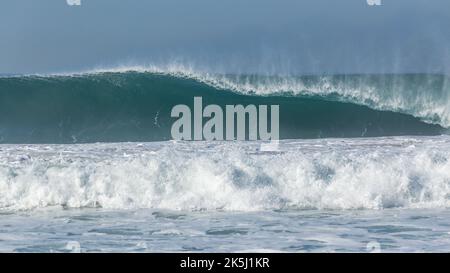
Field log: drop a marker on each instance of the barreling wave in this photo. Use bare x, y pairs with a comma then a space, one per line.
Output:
362, 173
134, 104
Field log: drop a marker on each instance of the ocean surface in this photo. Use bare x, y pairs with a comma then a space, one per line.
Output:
145, 230
87, 164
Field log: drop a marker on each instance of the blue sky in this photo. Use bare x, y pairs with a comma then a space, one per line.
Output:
257, 36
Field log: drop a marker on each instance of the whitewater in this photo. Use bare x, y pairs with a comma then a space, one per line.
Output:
370, 173
367, 194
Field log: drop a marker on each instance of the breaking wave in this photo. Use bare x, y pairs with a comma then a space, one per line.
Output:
134, 103
364, 173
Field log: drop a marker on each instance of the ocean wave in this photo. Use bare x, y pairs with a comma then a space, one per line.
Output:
370, 173
134, 104
426, 96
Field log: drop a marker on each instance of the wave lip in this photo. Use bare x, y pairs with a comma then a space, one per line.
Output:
367, 173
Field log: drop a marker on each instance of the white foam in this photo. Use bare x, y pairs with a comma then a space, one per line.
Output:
321, 174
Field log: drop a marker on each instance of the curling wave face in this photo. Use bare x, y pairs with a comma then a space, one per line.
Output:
363, 173
134, 103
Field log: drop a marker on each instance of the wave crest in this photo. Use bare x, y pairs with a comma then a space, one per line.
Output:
426, 96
